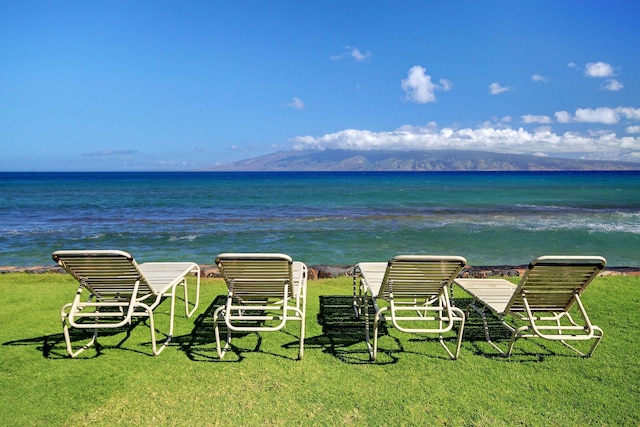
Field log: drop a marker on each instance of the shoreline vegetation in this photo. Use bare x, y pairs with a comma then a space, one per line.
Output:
324, 271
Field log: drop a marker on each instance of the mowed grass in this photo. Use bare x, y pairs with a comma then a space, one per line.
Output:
259, 382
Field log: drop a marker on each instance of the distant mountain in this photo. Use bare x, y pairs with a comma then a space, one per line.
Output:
437, 160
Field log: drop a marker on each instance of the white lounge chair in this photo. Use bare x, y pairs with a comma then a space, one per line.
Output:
119, 289
265, 291
539, 305
417, 290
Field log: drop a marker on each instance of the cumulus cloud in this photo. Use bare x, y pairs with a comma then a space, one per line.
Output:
633, 129
530, 118
563, 117
599, 69
629, 113
611, 85
296, 103
430, 137
539, 78
495, 88
602, 115
419, 88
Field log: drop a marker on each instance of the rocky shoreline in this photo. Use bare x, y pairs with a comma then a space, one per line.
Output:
331, 271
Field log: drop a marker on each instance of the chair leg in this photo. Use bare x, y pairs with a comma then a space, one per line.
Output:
67, 339
156, 350
373, 350
462, 319
460, 333
301, 351
597, 336
217, 316
597, 339
485, 325
188, 312
67, 336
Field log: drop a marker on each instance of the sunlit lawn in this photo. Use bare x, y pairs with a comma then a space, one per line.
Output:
260, 383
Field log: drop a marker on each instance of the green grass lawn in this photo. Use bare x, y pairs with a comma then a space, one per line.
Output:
259, 382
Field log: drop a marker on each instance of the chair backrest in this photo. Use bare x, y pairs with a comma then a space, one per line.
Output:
105, 273
551, 282
256, 275
413, 276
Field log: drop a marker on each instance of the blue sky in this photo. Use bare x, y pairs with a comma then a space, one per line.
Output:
185, 85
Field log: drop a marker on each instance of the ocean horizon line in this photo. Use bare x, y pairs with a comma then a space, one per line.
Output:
326, 172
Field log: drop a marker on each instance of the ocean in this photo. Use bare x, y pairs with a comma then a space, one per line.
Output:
336, 218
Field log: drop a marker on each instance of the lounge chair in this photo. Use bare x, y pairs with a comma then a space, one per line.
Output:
265, 291
548, 290
416, 288
119, 289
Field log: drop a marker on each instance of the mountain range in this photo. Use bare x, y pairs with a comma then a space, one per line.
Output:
434, 160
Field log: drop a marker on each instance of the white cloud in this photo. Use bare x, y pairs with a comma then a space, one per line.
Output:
418, 86
612, 85
603, 115
539, 78
563, 117
296, 103
495, 89
445, 84
629, 113
354, 53
540, 142
633, 129
598, 69
359, 56
530, 118
497, 122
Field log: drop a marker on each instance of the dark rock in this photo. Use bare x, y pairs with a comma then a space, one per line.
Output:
330, 271
209, 271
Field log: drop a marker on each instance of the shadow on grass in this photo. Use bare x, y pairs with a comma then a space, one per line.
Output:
54, 347
343, 336
525, 350
200, 345
343, 333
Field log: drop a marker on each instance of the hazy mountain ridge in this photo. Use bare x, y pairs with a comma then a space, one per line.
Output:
437, 160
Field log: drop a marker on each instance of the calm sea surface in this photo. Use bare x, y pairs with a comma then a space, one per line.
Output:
322, 218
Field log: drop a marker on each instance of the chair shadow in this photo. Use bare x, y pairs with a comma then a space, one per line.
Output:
343, 335
342, 329
53, 346
200, 344
475, 335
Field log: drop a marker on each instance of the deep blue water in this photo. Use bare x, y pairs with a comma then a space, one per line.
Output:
322, 218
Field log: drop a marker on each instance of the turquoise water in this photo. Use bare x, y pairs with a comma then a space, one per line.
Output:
490, 218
